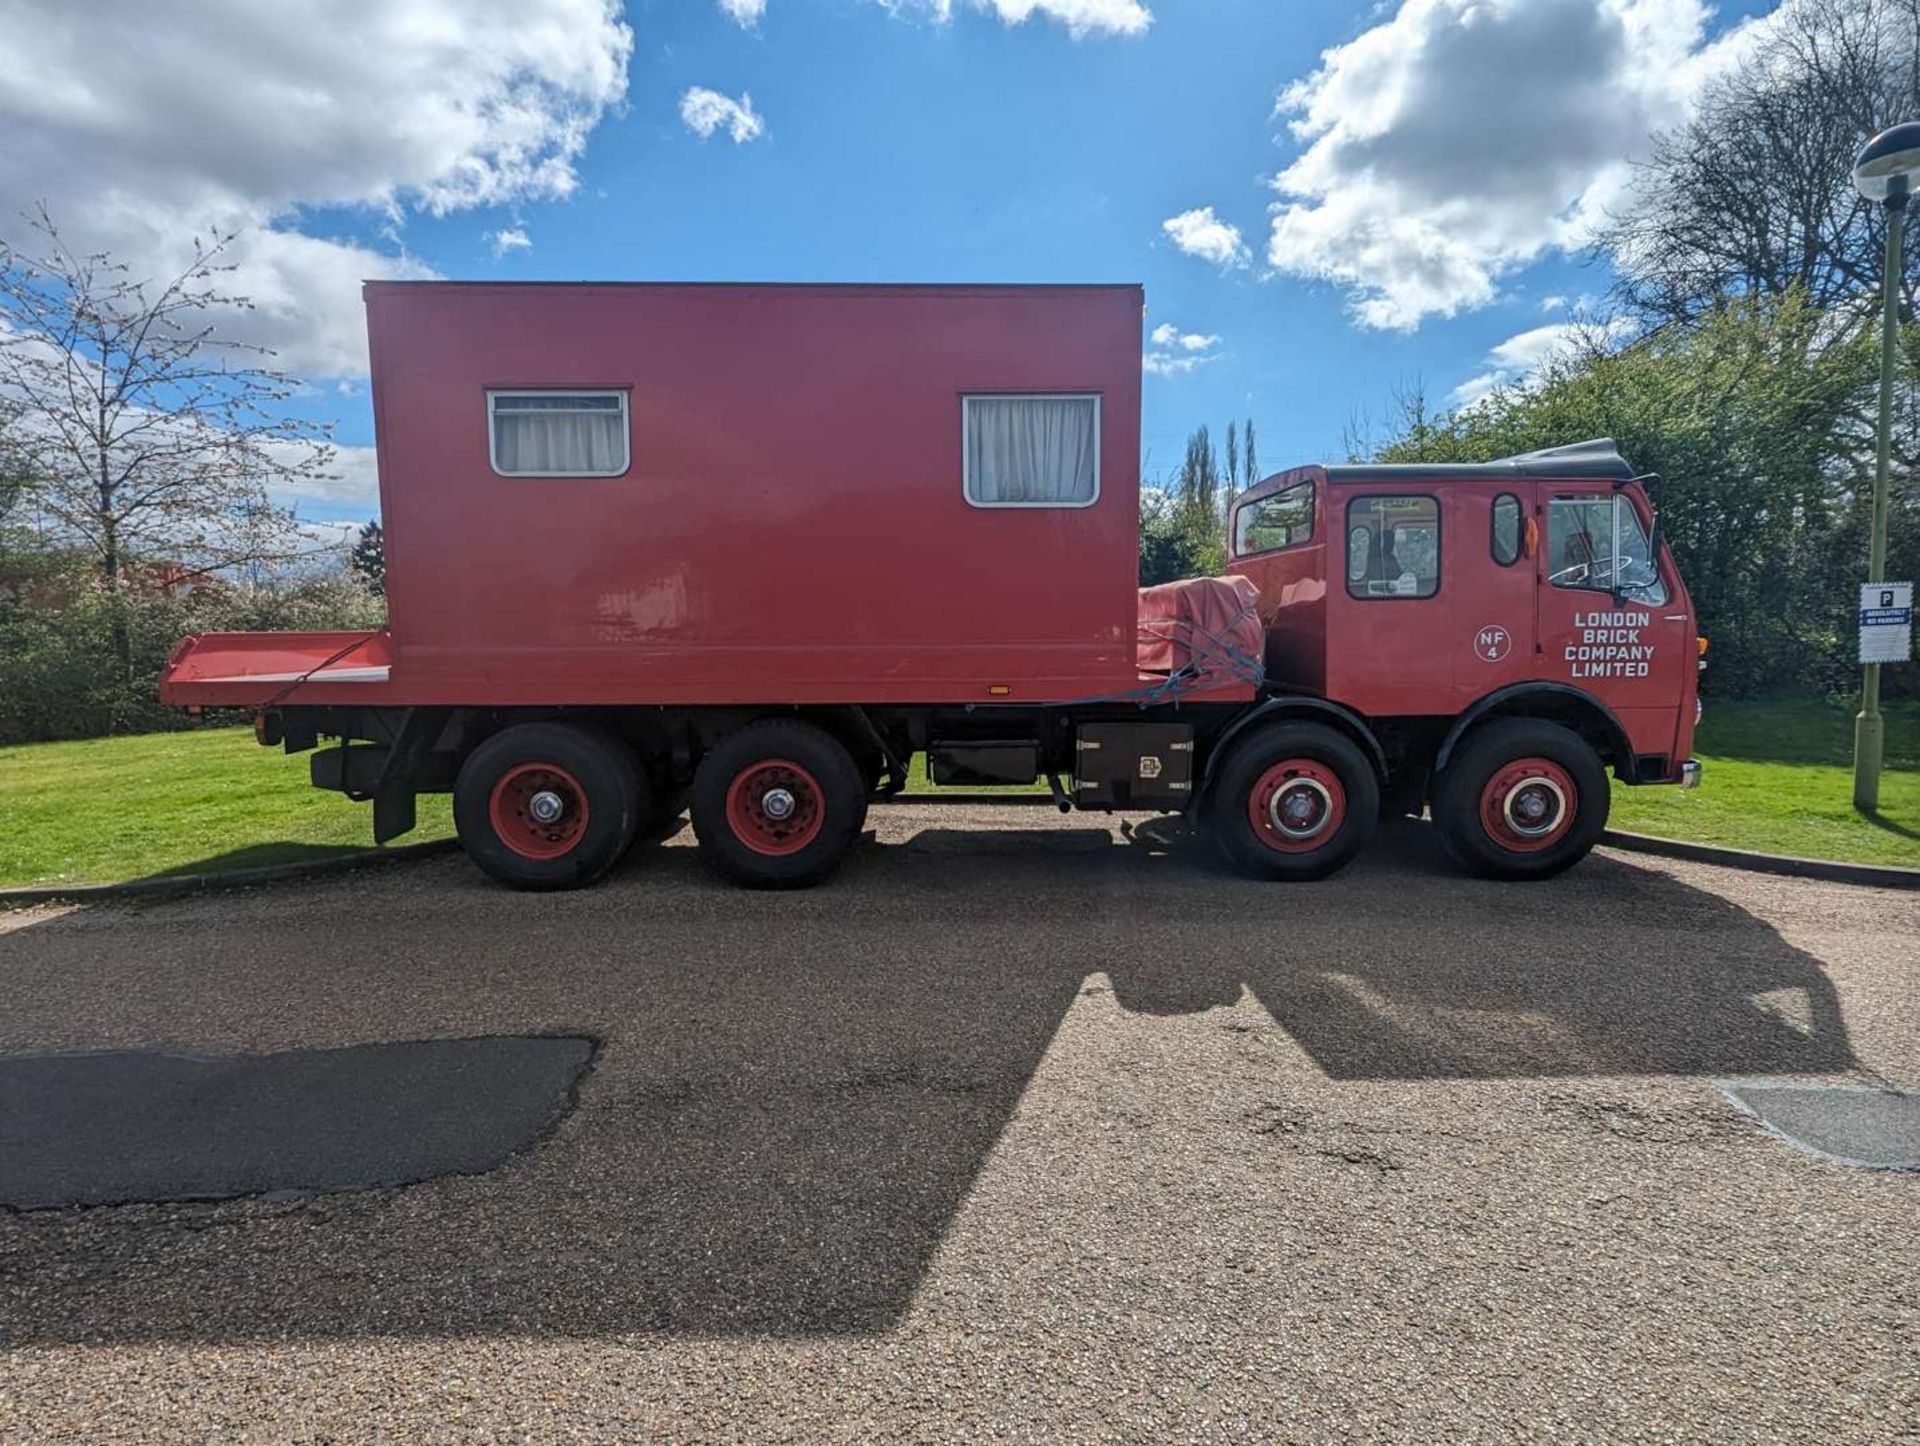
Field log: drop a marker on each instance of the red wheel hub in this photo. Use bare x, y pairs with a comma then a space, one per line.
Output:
539, 810
1528, 805
1297, 806
775, 807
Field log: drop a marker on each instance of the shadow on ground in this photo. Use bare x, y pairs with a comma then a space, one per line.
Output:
796, 1092
1881, 821
255, 856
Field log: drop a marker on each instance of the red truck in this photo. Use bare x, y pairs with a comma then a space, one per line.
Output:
747, 549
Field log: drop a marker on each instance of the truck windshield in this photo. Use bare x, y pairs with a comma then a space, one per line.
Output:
1598, 543
1284, 519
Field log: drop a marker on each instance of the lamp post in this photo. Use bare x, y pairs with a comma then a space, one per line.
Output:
1885, 172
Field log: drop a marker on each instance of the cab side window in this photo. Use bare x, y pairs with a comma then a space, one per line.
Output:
1393, 547
1505, 542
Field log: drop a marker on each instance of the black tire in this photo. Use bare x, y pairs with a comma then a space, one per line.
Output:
873, 773
1258, 769
594, 774
740, 837
1461, 799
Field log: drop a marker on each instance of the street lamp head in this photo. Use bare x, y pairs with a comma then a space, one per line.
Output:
1889, 164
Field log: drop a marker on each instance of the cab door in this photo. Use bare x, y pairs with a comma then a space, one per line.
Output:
1493, 546
1613, 621
1391, 621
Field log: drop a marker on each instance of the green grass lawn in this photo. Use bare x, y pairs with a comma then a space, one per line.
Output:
1779, 779
172, 803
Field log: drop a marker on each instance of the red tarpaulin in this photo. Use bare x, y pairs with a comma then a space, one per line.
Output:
1210, 625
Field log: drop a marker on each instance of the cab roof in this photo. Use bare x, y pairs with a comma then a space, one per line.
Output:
1596, 458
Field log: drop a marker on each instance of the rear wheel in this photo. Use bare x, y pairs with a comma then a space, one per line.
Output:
777, 804
1522, 798
548, 805
1294, 801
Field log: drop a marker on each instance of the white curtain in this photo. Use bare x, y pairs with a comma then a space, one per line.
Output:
545, 436
1031, 450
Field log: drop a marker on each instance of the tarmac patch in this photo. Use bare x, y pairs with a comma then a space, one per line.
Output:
138, 1125
1860, 1125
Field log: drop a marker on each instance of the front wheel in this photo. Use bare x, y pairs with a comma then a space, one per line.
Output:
1522, 799
548, 805
1294, 801
777, 804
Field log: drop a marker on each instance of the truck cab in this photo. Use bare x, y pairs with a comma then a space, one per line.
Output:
1433, 599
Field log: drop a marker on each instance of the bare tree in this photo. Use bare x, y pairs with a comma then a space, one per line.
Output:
1755, 196
16, 472
147, 434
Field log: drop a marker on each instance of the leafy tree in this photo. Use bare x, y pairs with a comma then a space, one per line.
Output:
1200, 515
1749, 418
1745, 236
1183, 528
1164, 551
368, 558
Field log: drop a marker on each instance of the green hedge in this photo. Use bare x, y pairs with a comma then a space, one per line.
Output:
62, 673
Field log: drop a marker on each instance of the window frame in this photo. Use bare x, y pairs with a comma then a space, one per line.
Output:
1313, 519
967, 399
494, 394
1439, 547
1493, 532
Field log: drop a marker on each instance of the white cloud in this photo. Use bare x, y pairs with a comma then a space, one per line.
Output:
1201, 233
744, 13
509, 238
1168, 364
354, 483
1081, 17
140, 124
1167, 335
1519, 359
706, 111
1175, 352
1461, 139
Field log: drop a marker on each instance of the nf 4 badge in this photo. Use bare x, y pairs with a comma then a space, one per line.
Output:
1492, 644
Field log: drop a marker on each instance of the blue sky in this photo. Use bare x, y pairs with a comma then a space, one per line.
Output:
1442, 165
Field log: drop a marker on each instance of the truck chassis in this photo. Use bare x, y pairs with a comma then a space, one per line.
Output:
1288, 786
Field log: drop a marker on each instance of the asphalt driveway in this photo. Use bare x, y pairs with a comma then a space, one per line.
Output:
1023, 1128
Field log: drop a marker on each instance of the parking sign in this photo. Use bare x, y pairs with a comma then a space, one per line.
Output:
1886, 622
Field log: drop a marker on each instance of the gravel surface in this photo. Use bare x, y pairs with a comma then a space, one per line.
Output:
1021, 1129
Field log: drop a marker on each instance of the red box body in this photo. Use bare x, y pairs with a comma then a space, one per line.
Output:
792, 527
